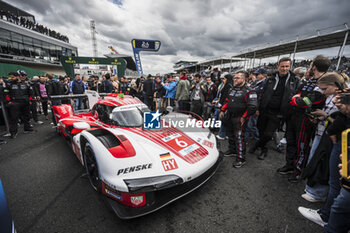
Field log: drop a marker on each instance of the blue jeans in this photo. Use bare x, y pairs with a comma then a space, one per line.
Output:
222, 131
318, 191
78, 102
216, 116
339, 219
334, 183
251, 129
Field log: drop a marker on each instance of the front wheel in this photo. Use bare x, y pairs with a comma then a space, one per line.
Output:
92, 168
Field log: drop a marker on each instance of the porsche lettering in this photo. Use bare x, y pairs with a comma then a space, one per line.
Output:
134, 168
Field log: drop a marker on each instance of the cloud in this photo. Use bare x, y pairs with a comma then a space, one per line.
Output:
188, 30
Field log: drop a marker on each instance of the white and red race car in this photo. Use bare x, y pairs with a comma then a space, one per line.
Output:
138, 170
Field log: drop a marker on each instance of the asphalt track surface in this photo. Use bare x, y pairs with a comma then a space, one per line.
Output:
46, 193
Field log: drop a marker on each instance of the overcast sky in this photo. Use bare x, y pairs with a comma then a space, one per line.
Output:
188, 29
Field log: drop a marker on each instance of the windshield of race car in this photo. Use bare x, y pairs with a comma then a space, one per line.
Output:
127, 117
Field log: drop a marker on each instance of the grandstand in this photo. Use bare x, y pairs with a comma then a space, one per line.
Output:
247, 59
23, 42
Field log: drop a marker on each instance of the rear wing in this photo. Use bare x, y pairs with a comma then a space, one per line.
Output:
92, 96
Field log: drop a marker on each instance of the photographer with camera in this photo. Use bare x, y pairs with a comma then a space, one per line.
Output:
317, 168
336, 193
299, 127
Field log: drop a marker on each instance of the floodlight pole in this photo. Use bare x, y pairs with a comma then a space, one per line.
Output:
342, 47
295, 49
254, 59
93, 37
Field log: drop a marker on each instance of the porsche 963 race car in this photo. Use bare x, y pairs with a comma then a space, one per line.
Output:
138, 170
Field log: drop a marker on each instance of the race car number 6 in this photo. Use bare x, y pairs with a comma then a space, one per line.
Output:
180, 143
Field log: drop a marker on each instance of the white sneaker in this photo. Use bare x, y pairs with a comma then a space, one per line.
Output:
220, 138
311, 199
38, 122
312, 215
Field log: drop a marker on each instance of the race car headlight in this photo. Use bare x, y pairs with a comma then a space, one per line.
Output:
152, 183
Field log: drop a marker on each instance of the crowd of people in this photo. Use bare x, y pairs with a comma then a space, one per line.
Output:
31, 24
307, 105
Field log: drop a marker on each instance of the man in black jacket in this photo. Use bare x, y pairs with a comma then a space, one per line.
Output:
274, 103
299, 127
107, 84
78, 88
209, 90
20, 93
148, 91
159, 94
241, 103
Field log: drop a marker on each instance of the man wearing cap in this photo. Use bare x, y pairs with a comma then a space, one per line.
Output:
18, 97
257, 85
274, 103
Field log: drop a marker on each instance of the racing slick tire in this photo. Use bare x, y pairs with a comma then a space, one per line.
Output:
91, 167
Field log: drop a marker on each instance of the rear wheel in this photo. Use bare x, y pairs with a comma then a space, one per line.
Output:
92, 168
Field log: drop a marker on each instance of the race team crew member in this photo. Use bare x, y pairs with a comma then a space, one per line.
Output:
241, 103
299, 127
18, 97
